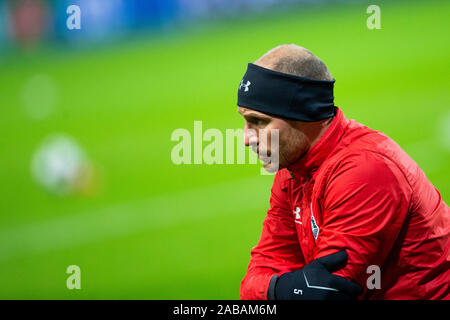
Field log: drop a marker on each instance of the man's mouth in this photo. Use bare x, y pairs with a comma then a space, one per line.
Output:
265, 157
265, 160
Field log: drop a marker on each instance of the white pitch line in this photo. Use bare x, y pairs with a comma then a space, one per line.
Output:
443, 131
123, 219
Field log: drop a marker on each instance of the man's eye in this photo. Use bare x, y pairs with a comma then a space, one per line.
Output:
257, 121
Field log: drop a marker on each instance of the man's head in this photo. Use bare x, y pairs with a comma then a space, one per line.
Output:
295, 137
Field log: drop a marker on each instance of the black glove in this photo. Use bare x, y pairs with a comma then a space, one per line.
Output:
315, 282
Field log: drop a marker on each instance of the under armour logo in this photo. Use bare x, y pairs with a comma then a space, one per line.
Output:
244, 85
297, 215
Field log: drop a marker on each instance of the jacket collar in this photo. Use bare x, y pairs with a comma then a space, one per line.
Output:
307, 164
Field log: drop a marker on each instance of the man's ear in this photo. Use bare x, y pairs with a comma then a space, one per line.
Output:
328, 121
299, 125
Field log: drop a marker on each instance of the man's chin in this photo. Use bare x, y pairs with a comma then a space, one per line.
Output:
271, 167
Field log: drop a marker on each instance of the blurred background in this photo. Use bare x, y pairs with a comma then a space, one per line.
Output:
86, 117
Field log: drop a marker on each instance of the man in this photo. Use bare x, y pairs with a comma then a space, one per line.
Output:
351, 214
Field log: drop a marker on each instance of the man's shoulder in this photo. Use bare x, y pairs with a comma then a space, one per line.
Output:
360, 140
368, 155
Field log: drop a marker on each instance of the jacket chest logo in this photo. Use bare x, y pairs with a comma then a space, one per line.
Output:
296, 212
314, 227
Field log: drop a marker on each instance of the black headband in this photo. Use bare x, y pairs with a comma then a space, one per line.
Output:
286, 96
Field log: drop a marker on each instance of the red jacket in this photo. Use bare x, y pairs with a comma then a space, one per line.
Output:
357, 190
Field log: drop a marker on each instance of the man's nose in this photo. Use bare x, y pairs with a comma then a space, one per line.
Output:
250, 136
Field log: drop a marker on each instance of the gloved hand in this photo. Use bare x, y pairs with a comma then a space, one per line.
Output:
315, 282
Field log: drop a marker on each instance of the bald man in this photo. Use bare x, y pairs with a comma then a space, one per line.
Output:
351, 214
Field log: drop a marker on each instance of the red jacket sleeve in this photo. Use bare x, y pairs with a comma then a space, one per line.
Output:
365, 203
278, 249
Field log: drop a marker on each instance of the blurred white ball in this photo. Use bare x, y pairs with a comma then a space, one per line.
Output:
57, 163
